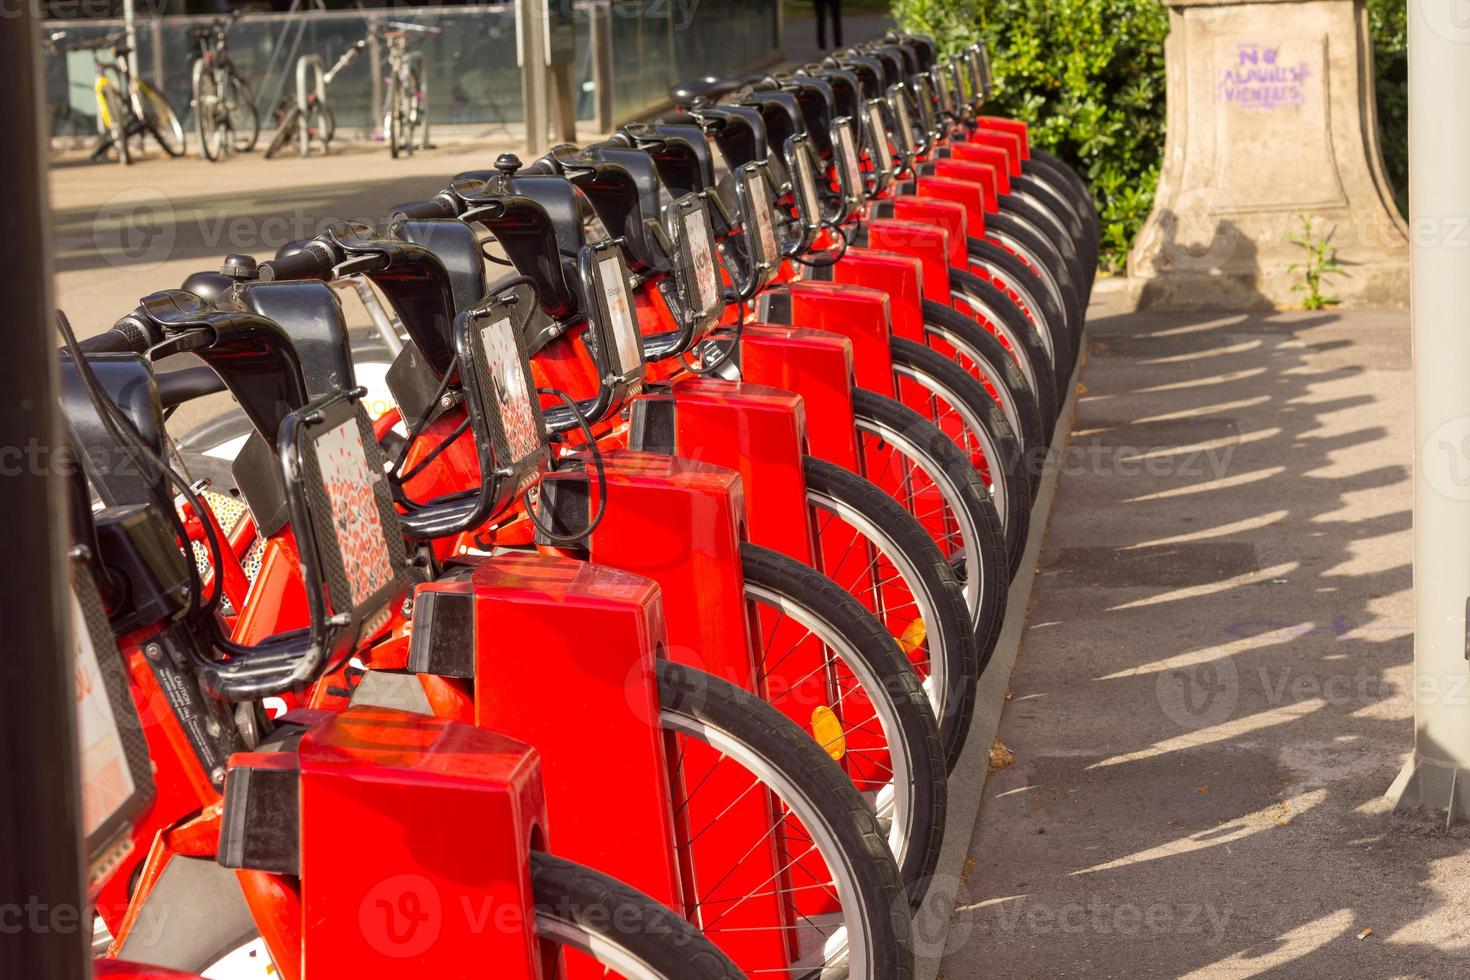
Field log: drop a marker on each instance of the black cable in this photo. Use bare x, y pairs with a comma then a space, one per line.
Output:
571, 540
121, 429
418, 425
831, 256
434, 453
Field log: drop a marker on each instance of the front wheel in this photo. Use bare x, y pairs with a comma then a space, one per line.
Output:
832, 668
839, 893
948, 396
585, 916
161, 120
244, 116
115, 122
210, 122
879, 552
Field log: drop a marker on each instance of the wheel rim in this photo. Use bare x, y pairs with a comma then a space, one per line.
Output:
1013, 343
932, 665
608, 953
956, 420
886, 781
1037, 266
976, 365
1036, 317
929, 494
821, 945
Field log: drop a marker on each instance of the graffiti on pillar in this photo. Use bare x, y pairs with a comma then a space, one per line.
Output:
1260, 79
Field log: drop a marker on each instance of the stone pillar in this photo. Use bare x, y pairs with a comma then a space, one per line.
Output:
1270, 119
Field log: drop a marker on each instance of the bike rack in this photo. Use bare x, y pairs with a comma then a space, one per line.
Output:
304, 64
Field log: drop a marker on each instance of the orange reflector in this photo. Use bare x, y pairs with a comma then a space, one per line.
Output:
827, 729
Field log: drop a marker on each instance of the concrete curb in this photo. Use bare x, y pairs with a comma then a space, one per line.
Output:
935, 916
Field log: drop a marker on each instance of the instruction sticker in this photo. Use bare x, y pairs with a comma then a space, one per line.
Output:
696, 230
880, 153
620, 312
850, 161
760, 206
349, 484
512, 393
107, 782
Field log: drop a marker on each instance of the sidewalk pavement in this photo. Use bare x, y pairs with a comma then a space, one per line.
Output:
1213, 689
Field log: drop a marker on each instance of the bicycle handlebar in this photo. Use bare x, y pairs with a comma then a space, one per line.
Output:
314, 261
130, 335
438, 206
109, 41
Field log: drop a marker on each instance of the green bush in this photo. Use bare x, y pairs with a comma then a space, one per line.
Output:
1388, 25
1088, 76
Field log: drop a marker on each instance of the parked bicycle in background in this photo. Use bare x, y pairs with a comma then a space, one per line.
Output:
403, 101
127, 106
224, 106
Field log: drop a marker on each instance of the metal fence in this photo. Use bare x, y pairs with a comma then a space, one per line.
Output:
473, 79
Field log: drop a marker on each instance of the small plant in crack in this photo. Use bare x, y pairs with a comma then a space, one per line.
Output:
1320, 264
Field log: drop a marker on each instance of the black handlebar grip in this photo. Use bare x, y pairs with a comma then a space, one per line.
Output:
314, 261
128, 336
435, 207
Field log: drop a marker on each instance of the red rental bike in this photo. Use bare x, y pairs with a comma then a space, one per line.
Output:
695, 710
185, 776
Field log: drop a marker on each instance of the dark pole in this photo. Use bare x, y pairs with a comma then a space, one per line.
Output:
41, 865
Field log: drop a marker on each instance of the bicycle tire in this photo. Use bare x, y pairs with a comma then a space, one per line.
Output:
913, 814
746, 731
116, 122
207, 123
1045, 197
161, 120
285, 130
1012, 274
978, 552
1017, 235
246, 136
574, 907
1049, 227
1003, 318
618, 926
986, 359
961, 402
949, 660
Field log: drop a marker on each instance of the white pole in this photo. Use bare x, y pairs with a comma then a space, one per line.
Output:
130, 25
1439, 195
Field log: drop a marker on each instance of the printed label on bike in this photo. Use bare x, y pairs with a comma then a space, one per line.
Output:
850, 165
905, 123
107, 782
880, 153
977, 74
806, 184
760, 206
512, 394
620, 312
696, 229
941, 91
348, 482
